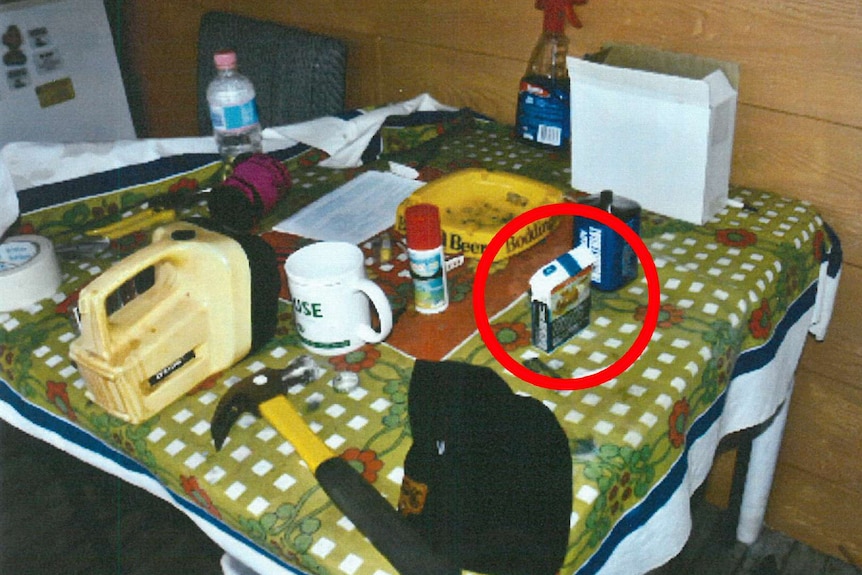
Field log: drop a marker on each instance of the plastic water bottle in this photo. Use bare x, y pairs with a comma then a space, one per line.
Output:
233, 109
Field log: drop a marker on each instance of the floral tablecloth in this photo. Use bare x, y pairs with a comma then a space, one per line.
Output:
734, 292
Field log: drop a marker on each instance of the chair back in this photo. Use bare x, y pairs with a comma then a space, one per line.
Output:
298, 75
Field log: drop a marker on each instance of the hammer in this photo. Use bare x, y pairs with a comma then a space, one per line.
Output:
264, 395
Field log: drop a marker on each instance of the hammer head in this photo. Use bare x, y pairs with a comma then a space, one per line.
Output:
247, 395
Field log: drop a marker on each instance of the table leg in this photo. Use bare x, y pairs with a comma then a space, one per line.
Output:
758, 480
231, 566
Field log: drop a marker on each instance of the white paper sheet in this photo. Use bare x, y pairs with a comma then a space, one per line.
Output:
354, 212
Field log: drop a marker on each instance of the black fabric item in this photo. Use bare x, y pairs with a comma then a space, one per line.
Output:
230, 206
488, 479
297, 75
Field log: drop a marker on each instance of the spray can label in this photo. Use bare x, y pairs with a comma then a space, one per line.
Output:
429, 280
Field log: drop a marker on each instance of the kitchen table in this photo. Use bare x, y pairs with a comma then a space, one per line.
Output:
740, 297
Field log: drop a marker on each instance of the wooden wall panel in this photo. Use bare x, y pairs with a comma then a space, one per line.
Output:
825, 441
808, 159
824, 516
473, 80
796, 56
840, 355
799, 133
162, 48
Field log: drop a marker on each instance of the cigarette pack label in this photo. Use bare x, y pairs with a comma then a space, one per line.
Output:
560, 299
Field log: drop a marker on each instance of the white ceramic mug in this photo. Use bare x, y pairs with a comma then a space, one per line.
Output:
330, 295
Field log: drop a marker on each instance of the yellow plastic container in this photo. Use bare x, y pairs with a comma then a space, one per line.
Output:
193, 321
475, 204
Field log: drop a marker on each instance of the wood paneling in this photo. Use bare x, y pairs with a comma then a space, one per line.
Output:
161, 45
796, 56
799, 133
474, 80
839, 356
808, 159
824, 440
822, 515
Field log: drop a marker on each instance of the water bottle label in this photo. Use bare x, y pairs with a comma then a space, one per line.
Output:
233, 118
543, 115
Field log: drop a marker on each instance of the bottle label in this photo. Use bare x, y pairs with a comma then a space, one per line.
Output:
543, 114
429, 281
234, 118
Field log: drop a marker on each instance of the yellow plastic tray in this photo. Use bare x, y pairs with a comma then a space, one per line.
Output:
476, 203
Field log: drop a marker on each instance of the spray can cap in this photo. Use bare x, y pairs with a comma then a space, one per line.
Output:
423, 227
225, 59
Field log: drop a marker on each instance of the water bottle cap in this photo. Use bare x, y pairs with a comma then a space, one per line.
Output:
225, 59
423, 227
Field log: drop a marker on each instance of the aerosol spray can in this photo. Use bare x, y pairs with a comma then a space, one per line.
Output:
427, 261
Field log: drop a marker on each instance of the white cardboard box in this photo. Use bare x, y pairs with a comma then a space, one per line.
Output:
654, 126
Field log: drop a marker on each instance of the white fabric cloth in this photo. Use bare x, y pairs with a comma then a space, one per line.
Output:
27, 164
825, 302
661, 536
346, 140
38, 163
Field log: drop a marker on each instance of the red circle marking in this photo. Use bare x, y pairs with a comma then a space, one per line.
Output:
653, 295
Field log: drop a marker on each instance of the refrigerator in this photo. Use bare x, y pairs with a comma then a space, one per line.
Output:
61, 79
